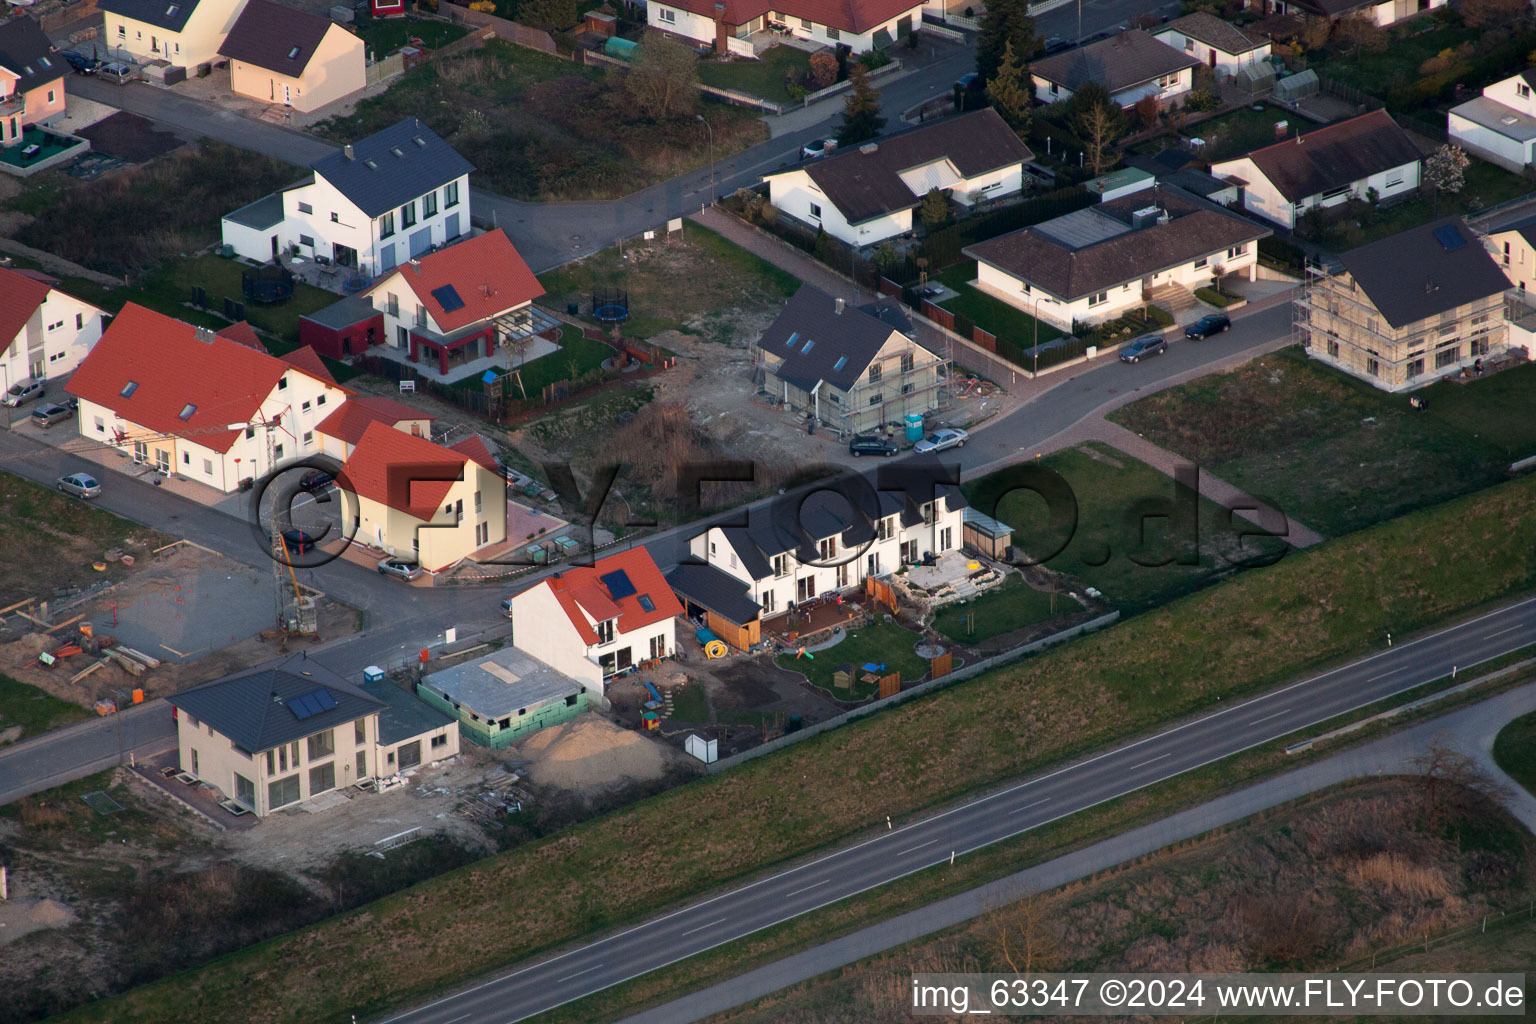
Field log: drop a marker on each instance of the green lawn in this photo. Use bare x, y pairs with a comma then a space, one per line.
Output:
1012, 606
384, 36
886, 644
764, 77
1241, 130
1105, 551
221, 279
32, 709
1486, 185
1398, 65
49, 540
578, 355
1332, 451
689, 703
1016, 331
1515, 751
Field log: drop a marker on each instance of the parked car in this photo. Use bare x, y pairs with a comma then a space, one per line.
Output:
298, 541
81, 485
47, 415
1056, 44
318, 484
1143, 347
82, 64
970, 92
118, 72
20, 394
940, 440
817, 148
506, 607
399, 568
868, 444
1211, 323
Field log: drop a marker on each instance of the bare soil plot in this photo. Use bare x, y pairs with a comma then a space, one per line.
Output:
129, 137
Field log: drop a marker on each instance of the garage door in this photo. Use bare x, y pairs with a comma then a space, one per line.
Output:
408, 755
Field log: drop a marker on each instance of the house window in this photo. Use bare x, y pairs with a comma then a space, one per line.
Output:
322, 778
321, 399
79, 321
450, 194
309, 438
305, 406
658, 647
1523, 90
394, 305
1203, 261
1415, 367
1333, 349
429, 205
421, 315
874, 372
1189, 45
122, 31
1236, 251
1373, 367
805, 23
1094, 300
282, 792
282, 383
1447, 356
322, 744
832, 33
186, 458
907, 362
335, 217
1395, 181
408, 215
781, 565
877, 398
667, 15
308, 240
387, 225
277, 452
768, 602
52, 96
207, 467
1334, 193
815, 211
883, 529
101, 427
1370, 324
605, 631
306, 208
479, 506
828, 548
439, 741
360, 732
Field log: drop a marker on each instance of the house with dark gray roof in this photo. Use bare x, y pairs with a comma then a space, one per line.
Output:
1499, 125
283, 56
31, 78
808, 547
1219, 45
1131, 65
865, 195
372, 206
1409, 309
1354, 159
1094, 264
184, 33
290, 730
843, 367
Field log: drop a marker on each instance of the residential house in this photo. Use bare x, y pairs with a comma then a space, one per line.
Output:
421, 501
1326, 167
1094, 264
460, 303
31, 78
183, 32
598, 621
1132, 65
502, 698
1380, 12
742, 27
188, 401
281, 55
1514, 250
44, 332
1409, 309
1499, 125
865, 195
341, 431
740, 575
1219, 45
372, 206
286, 731
343, 329
844, 367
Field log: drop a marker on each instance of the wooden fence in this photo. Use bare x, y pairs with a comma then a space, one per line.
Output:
508, 31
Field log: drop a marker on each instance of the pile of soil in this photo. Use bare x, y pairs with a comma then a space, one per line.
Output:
50, 914
591, 754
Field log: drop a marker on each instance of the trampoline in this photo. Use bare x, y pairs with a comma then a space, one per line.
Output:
610, 305
268, 285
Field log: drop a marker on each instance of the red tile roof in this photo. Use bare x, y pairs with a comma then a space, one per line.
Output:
308, 360
402, 471
857, 16
583, 589
242, 333
350, 421
20, 296
475, 448
171, 368
486, 272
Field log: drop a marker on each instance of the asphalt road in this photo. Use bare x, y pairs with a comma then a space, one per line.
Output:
73, 753
970, 826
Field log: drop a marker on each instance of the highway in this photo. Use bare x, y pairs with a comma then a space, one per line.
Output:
935, 839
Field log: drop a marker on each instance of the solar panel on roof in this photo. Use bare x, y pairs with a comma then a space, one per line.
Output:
448, 298
308, 705
1448, 236
618, 584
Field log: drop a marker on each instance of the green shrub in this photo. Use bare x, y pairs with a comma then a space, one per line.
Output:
1214, 297
875, 59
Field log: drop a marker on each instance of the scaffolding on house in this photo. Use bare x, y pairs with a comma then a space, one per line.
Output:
847, 419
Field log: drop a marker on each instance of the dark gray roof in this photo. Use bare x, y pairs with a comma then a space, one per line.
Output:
1118, 63
502, 683
720, 592
865, 182
351, 310
1425, 271
818, 343
1335, 156
264, 213
405, 715
275, 37
890, 315
392, 167
1211, 30
26, 52
1195, 182
254, 708
1526, 227
167, 14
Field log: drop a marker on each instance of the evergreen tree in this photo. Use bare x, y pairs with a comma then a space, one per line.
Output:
1006, 21
1010, 91
861, 110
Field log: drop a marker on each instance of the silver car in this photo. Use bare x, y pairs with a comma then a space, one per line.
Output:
399, 568
940, 440
81, 485
24, 392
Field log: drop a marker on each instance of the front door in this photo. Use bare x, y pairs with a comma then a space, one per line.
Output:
451, 226
288, 91
421, 241
274, 247
408, 755
387, 258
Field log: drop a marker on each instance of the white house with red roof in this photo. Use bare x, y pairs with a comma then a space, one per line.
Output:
597, 621
44, 332
191, 402
860, 25
341, 430
459, 304
418, 500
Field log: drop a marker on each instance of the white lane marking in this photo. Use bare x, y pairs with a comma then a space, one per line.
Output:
578, 974
1037, 803
457, 1019
808, 888
1266, 718
1143, 764
690, 931
1501, 632
919, 846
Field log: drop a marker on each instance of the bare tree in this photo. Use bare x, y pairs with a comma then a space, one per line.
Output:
1022, 934
663, 82
1452, 782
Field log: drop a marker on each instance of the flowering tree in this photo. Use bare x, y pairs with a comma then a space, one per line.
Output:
1445, 171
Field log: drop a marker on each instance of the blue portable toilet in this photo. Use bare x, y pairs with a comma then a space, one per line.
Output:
914, 426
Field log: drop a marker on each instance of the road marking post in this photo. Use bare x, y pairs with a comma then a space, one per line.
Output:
951, 858
888, 825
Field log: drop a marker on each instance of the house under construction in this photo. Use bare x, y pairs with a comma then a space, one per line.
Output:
850, 370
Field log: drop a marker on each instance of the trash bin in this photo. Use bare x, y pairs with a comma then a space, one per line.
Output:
572, 308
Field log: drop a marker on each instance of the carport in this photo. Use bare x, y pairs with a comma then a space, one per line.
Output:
722, 599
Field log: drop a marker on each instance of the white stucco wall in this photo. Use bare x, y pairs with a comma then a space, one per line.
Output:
60, 333
541, 627
351, 227
1224, 63
1511, 154
795, 193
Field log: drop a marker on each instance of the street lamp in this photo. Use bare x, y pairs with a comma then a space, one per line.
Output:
1034, 347
700, 119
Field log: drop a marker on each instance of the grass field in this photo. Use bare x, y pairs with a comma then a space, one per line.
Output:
1014, 329
887, 645
1335, 453
764, 77
49, 541
1267, 625
1234, 133
33, 710
1485, 185
383, 36
1515, 751
1011, 606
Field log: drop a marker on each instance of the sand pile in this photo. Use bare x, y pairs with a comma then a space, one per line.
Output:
50, 914
590, 754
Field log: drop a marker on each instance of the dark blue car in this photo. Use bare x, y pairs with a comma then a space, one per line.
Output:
1142, 347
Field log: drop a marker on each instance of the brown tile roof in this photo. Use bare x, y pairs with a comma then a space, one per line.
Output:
865, 183
1209, 29
1127, 60
1195, 228
1334, 156
275, 37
